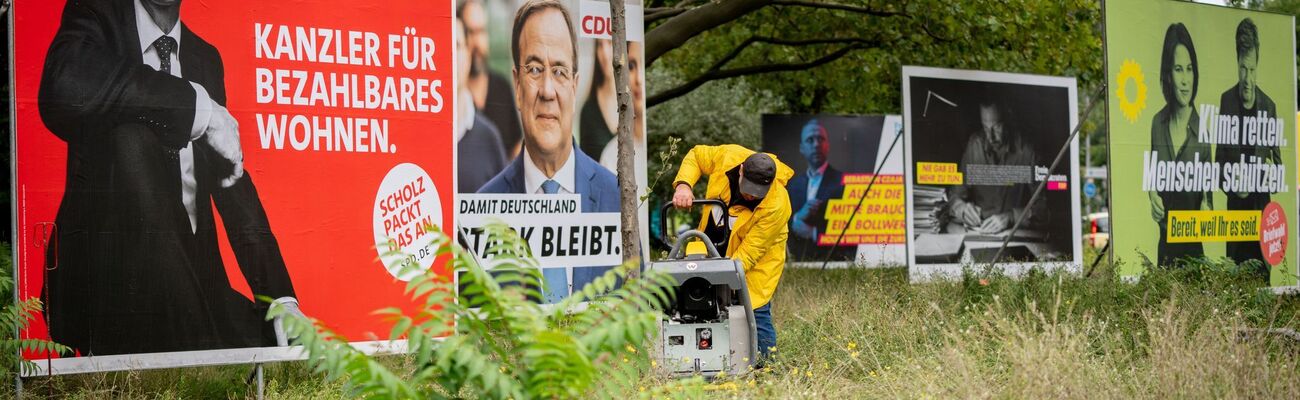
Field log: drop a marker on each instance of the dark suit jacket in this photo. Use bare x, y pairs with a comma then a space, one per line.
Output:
1230, 103
598, 187
499, 107
832, 187
125, 281
481, 156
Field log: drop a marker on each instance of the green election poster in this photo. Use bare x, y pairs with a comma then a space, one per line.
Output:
1199, 102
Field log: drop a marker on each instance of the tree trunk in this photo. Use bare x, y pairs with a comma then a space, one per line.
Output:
626, 149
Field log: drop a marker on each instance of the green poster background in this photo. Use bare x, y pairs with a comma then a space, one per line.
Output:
1135, 32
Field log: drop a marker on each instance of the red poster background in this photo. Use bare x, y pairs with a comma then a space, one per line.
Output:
320, 204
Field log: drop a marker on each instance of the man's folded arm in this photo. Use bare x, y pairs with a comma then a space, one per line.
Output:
84, 83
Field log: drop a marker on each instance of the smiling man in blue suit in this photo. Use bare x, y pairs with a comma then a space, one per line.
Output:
545, 78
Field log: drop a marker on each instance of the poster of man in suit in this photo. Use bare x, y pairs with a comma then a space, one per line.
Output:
553, 55
140, 130
835, 158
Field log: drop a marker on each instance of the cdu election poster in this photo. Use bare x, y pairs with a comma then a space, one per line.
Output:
537, 116
1199, 101
836, 158
177, 160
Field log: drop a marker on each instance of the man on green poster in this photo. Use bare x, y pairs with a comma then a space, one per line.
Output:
1244, 100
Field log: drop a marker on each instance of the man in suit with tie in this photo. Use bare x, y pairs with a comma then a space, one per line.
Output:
546, 76
140, 100
809, 193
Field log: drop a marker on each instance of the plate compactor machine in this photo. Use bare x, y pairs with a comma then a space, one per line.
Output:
709, 327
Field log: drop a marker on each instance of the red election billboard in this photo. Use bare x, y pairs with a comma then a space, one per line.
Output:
141, 127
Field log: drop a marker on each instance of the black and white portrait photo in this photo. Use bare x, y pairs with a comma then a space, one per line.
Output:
152, 151
979, 144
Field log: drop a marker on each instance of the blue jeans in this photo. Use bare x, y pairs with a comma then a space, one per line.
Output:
766, 332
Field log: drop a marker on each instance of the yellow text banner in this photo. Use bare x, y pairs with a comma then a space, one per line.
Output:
1187, 226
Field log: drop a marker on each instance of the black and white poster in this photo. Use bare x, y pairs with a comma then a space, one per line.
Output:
978, 144
836, 159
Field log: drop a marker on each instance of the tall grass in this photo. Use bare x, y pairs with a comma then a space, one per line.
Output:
869, 334
855, 333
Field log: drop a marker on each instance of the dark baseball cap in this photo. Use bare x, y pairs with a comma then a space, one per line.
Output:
757, 173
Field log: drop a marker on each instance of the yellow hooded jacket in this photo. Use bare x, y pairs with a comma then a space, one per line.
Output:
758, 237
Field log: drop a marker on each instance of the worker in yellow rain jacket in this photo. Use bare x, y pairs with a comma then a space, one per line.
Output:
753, 186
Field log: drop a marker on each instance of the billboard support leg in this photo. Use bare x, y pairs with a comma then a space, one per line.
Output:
256, 375
261, 383
1097, 260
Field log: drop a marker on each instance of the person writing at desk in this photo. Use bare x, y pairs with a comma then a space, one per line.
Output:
990, 209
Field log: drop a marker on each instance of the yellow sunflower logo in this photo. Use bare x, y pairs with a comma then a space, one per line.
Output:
1132, 108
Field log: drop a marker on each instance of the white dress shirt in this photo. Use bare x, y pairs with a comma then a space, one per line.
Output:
533, 176
815, 180
466, 115
148, 33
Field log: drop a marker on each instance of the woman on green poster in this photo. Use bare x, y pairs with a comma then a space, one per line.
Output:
1174, 138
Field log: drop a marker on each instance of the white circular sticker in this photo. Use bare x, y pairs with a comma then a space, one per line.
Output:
407, 202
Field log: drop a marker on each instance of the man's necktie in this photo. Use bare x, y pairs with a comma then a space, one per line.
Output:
165, 46
550, 187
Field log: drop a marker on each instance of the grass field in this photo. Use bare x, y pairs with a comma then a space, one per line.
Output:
857, 333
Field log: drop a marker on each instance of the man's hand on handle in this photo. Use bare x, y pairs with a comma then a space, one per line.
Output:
683, 197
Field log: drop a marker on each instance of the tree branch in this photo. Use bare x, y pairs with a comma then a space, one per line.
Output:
655, 14
839, 7
722, 62
676, 31
716, 72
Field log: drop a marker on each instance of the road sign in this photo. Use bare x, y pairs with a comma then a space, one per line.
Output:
1090, 188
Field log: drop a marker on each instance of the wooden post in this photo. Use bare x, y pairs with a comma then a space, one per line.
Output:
626, 149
